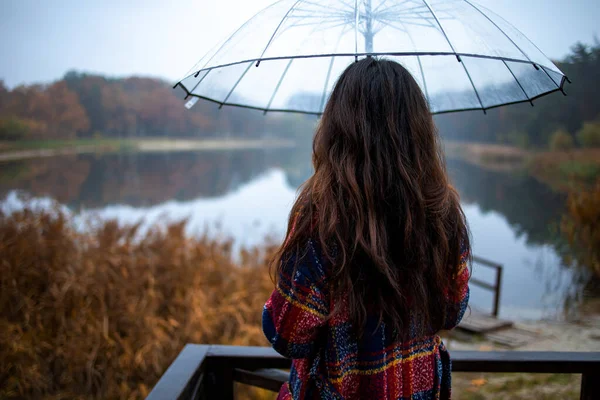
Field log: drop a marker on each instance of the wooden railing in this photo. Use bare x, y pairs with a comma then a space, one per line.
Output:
496, 287
209, 372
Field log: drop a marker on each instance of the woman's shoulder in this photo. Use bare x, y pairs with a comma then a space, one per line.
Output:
308, 260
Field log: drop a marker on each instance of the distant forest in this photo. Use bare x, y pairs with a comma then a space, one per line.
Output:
91, 106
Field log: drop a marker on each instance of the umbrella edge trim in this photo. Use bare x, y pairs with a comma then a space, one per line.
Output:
283, 110
394, 54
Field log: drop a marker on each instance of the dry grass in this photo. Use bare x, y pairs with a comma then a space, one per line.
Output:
504, 386
102, 314
566, 170
495, 157
581, 226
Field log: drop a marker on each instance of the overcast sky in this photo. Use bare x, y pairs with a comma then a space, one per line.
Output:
39, 42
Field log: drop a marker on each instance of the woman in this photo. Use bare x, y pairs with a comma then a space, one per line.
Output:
375, 260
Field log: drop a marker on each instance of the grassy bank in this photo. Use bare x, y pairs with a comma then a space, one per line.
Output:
566, 170
20, 145
487, 155
19, 150
16, 150
563, 171
482, 386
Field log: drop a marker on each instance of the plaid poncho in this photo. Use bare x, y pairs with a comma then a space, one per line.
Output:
330, 362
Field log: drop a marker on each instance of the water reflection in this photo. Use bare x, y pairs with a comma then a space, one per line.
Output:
249, 193
139, 179
530, 207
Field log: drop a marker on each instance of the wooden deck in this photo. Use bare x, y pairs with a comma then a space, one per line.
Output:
493, 328
477, 322
513, 337
500, 331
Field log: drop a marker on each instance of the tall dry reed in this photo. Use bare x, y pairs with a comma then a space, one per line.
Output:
102, 314
581, 226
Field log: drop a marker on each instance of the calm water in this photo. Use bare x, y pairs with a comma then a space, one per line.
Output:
248, 194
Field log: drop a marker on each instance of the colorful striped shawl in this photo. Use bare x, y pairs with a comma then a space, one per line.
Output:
330, 362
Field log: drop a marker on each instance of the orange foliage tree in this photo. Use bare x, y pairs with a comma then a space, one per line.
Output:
46, 111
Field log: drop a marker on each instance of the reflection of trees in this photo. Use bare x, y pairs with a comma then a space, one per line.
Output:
136, 179
60, 177
530, 207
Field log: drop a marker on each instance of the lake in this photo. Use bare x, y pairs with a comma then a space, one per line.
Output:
247, 194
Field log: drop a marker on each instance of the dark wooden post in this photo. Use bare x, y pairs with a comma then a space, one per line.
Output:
498, 288
590, 386
220, 381
184, 377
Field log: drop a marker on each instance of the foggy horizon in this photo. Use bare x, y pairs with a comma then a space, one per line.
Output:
153, 39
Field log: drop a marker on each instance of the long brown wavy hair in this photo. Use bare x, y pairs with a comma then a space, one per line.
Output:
379, 203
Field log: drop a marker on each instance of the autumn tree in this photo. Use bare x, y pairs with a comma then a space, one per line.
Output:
64, 114
44, 112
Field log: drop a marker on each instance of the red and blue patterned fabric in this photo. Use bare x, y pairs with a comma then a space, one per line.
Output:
331, 362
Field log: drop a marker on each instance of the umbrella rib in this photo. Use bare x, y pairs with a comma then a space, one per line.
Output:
335, 16
349, 5
236, 84
379, 6
500, 29
419, 61
474, 88
199, 81
275, 32
329, 71
386, 23
518, 83
533, 44
326, 84
329, 25
312, 3
278, 85
229, 38
189, 72
355, 30
423, 77
441, 28
457, 56
559, 87
288, 67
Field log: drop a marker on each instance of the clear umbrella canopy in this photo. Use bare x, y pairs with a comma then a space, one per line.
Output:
289, 55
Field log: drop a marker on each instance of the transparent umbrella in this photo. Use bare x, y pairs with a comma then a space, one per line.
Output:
288, 56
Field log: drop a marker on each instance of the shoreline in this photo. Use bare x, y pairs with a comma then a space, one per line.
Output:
58, 148
582, 335
562, 171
